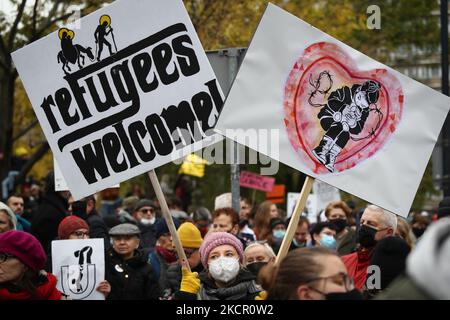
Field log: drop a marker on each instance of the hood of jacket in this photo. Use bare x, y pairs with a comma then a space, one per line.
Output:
429, 264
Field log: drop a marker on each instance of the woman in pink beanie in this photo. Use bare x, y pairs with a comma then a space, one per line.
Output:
22, 259
224, 277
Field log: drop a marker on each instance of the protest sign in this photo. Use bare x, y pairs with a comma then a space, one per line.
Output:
325, 194
130, 90
79, 266
60, 182
311, 205
255, 181
342, 117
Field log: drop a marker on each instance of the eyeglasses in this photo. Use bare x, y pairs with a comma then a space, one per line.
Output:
341, 279
4, 257
81, 234
147, 210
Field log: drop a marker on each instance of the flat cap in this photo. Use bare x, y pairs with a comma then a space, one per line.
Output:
124, 229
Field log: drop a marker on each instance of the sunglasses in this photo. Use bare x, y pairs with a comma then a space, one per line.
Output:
147, 210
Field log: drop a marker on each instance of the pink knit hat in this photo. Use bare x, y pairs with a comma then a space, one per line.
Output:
216, 239
24, 247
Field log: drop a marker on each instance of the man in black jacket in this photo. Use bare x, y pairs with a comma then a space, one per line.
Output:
51, 211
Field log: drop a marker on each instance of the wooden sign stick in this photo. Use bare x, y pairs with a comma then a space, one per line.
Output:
166, 213
299, 206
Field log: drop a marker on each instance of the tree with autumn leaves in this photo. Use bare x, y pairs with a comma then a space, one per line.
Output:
219, 24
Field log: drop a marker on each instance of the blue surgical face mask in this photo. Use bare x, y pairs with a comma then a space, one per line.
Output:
299, 245
328, 241
279, 234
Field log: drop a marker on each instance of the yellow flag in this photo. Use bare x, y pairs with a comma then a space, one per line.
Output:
193, 165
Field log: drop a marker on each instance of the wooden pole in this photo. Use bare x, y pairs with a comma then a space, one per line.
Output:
299, 206
166, 213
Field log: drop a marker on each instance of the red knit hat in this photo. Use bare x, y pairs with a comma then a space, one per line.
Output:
215, 239
69, 225
24, 247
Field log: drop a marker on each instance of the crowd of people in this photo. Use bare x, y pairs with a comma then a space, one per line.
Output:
347, 254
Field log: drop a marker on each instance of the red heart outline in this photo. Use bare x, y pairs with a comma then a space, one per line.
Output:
302, 124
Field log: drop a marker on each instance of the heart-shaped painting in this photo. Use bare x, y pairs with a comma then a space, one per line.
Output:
336, 115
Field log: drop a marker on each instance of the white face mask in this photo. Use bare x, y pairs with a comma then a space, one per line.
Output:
224, 269
148, 221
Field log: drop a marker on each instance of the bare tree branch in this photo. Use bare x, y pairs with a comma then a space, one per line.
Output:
3, 45
36, 2
12, 32
25, 130
4, 66
48, 25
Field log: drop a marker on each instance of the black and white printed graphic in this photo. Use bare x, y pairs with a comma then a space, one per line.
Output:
79, 267
129, 91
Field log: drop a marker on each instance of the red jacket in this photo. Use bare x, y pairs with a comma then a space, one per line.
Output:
45, 291
357, 264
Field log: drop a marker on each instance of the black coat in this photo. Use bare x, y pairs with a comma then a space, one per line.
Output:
148, 237
51, 211
98, 228
131, 279
174, 277
243, 287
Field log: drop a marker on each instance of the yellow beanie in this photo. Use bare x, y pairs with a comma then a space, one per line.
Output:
190, 236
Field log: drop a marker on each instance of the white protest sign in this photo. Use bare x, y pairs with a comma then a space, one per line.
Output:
325, 194
79, 266
311, 205
129, 91
60, 182
341, 116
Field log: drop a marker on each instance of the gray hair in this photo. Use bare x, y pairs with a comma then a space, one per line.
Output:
11, 216
389, 218
268, 249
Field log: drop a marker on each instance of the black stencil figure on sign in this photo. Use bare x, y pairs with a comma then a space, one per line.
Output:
343, 116
71, 53
78, 280
104, 29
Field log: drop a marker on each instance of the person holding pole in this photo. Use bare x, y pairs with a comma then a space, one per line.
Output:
224, 278
164, 254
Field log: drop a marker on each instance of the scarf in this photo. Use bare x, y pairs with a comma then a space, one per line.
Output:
45, 291
240, 291
168, 255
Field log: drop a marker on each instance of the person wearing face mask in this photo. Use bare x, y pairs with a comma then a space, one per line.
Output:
301, 236
278, 231
256, 256
419, 224
309, 274
144, 214
376, 224
126, 268
323, 235
224, 277
339, 214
